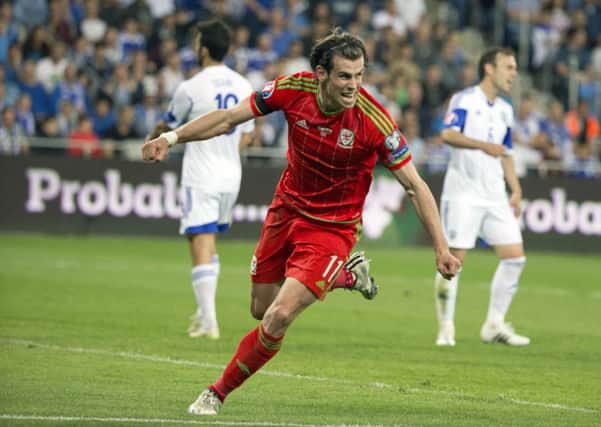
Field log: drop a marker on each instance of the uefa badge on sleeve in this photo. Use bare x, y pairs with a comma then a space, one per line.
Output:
393, 141
346, 138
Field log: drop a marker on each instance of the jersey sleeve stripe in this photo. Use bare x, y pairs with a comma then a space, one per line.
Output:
400, 162
383, 123
301, 86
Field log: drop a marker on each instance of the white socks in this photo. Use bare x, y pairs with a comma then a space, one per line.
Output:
204, 285
445, 296
503, 288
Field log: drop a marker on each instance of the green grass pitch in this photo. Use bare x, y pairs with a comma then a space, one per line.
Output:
92, 332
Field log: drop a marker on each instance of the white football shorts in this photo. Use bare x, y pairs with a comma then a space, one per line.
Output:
463, 223
205, 212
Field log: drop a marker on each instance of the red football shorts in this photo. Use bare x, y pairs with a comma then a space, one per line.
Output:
310, 251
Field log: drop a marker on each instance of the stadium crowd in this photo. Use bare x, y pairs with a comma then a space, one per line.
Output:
98, 73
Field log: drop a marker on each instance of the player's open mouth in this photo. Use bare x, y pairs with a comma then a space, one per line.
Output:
348, 96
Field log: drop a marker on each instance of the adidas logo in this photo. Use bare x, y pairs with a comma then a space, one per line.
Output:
302, 123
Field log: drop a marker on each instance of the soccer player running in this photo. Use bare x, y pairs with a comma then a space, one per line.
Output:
474, 201
336, 132
211, 170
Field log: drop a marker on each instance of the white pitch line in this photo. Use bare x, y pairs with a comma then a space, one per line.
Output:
160, 359
123, 420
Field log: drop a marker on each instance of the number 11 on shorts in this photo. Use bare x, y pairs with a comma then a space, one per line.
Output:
334, 261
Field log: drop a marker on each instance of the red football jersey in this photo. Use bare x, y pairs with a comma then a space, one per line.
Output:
331, 157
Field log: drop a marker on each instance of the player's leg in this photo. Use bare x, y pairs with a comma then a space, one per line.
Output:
205, 275
460, 222
257, 347
199, 223
445, 298
501, 230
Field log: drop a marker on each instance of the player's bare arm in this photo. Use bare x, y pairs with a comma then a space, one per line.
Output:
425, 206
515, 198
207, 126
456, 139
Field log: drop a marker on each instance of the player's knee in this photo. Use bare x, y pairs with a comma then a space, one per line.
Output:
278, 317
257, 310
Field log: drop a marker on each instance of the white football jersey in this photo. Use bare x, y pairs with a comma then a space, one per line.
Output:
473, 175
214, 164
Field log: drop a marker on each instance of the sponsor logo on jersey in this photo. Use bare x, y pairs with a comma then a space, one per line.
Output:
393, 140
324, 131
268, 89
346, 138
302, 123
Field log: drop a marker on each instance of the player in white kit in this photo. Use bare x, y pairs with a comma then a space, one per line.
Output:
211, 170
474, 202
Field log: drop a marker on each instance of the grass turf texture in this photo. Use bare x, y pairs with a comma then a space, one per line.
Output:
94, 328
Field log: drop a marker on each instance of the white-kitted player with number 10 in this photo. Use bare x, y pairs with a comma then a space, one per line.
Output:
474, 202
211, 170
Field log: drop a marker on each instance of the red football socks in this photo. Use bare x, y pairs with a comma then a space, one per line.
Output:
345, 280
255, 349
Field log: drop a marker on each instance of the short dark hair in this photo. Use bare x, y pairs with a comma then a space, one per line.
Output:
336, 42
490, 57
215, 35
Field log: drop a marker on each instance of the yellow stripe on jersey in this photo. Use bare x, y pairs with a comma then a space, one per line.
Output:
299, 79
382, 122
298, 87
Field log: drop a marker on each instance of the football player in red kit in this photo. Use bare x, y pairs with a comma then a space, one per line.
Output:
337, 131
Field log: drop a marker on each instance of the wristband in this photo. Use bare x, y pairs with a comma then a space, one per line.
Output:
171, 137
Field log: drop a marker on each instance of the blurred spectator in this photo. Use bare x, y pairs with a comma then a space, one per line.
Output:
139, 11
574, 51
557, 135
70, 90
411, 131
41, 103
14, 64
61, 24
298, 20
295, 61
239, 50
37, 44
122, 130
170, 76
161, 8
50, 70
360, 25
589, 89
422, 43
281, 36
530, 144
584, 130
130, 39
256, 16
92, 27
148, 113
262, 55
103, 116
9, 32
113, 51
8, 89
84, 142
343, 10
24, 115
412, 12
67, 118
30, 13
389, 17
12, 136
122, 88
546, 38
